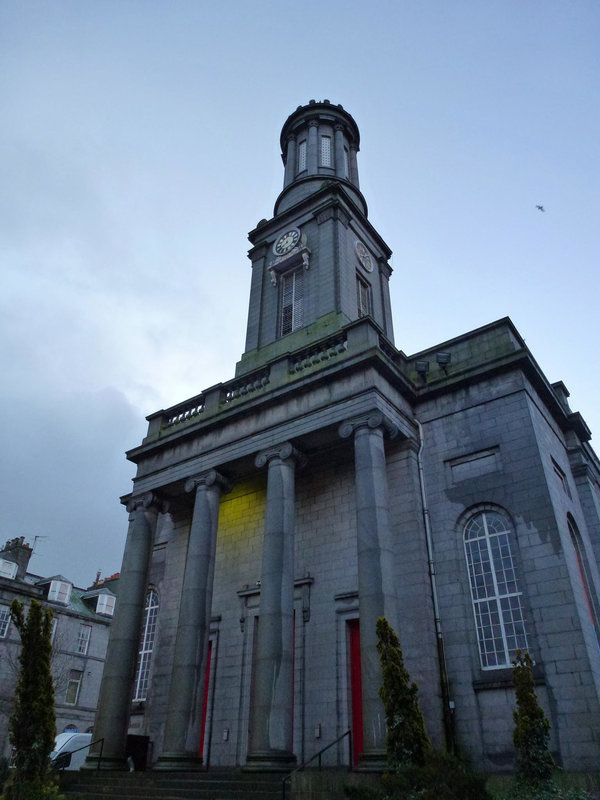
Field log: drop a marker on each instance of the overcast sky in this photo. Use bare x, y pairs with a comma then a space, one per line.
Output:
139, 143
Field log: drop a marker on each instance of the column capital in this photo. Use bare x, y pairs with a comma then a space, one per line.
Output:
338, 126
145, 501
209, 478
314, 123
284, 451
291, 137
373, 420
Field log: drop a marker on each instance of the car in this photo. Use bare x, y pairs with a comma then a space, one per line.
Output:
64, 756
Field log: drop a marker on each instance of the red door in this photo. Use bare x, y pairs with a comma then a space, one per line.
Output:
355, 688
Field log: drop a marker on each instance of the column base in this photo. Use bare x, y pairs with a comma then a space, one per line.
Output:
372, 761
108, 763
270, 761
179, 762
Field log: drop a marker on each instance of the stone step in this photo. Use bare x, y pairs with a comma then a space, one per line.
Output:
172, 786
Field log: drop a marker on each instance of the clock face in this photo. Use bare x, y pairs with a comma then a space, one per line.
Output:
286, 242
363, 256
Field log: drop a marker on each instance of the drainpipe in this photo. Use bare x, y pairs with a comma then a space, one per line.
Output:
447, 704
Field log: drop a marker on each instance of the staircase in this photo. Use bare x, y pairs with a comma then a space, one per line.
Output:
213, 785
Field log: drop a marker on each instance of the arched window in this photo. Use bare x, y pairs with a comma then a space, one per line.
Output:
142, 672
494, 589
583, 566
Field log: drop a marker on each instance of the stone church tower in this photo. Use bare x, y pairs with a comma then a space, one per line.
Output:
334, 480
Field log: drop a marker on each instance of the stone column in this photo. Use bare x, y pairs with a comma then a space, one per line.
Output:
290, 161
184, 715
340, 169
376, 593
312, 148
271, 722
112, 717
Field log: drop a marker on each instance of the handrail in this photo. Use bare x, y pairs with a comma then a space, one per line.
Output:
85, 747
348, 733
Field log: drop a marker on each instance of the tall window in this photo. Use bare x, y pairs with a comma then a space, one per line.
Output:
363, 297
302, 156
292, 300
583, 565
346, 165
83, 638
142, 672
494, 589
73, 687
325, 151
4, 620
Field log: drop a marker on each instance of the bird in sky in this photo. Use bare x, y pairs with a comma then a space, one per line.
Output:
540, 208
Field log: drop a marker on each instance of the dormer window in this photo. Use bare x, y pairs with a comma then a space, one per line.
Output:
105, 605
8, 569
60, 592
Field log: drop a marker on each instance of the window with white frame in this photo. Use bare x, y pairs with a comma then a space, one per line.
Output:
495, 593
73, 687
8, 569
59, 592
292, 300
53, 627
142, 672
83, 638
363, 297
583, 567
325, 151
4, 620
105, 604
302, 156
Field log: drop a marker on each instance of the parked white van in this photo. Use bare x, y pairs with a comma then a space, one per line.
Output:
64, 745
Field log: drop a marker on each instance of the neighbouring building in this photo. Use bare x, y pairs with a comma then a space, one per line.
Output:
80, 629
334, 480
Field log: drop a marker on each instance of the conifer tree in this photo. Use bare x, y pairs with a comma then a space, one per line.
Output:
32, 725
407, 739
532, 728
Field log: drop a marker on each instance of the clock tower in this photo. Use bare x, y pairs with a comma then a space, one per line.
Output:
318, 263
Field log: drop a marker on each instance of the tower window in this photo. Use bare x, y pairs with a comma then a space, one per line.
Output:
494, 590
325, 151
142, 673
346, 167
302, 156
292, 300
363, 297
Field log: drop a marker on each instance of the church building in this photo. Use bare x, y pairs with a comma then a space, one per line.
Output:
335, 480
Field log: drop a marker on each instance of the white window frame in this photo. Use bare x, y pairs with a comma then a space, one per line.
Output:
105, 604
83, 638
495, 594
4, 620
59, 592
74, 684
292, 301
147, 640
8, 569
